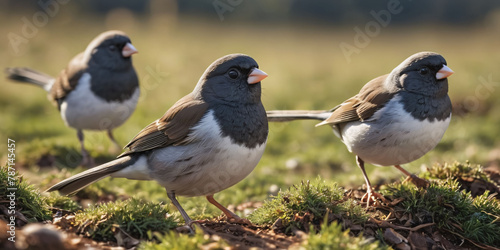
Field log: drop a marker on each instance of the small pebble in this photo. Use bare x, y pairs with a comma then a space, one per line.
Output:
292, 164
273, 189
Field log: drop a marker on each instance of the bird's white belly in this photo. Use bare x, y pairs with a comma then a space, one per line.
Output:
205, 166
392, 136
81, 109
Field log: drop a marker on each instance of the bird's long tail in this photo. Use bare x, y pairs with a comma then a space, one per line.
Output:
291, 115
27, 75
85, 178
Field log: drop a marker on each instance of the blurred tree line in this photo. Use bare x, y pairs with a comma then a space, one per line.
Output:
449, 12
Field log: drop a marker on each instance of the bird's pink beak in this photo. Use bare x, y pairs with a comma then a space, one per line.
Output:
129, 50
444, 72
256, 76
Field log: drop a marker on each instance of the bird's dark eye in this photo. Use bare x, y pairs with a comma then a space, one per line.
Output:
112, 47
233, 73
423, 71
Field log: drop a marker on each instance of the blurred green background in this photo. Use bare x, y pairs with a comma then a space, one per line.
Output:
300, 44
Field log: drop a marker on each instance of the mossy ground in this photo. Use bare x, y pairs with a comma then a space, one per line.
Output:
316, 214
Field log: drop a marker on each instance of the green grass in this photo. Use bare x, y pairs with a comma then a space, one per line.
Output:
62, 202
307, 204
333, 237
456, 170
314, 206
452, 209
133, 216
175, 241
26, 198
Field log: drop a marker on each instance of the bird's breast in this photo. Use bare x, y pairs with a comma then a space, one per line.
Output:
82, 109
245, 124
393, 136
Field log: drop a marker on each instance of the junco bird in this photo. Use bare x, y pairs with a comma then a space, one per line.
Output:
98, 90
207, 141
394, 119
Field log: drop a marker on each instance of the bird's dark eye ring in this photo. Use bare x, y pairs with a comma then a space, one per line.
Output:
233, 74
423, 71
112, 47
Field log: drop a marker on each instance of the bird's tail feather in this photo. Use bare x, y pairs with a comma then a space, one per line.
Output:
291, 115
27, 75
85, 178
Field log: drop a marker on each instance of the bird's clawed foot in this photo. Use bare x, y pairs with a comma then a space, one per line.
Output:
231, 217
417, 181
237, 220
372, 198
187, 228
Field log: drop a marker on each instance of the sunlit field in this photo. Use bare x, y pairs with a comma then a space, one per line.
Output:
307, 70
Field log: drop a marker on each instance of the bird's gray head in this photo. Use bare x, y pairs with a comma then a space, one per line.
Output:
230, 80
424, 73
111, 50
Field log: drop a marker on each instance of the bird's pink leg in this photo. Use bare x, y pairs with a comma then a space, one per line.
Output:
87, 160
370, 194
419, 182
231, 217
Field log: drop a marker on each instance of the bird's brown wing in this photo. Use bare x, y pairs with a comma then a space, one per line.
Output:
172, 128
372, 97
67, 80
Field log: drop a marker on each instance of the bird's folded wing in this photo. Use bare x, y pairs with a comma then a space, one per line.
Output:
372, 97
172, 128
67, 80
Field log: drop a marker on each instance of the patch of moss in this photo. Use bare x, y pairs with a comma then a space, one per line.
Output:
133, 216
456, 170
313, 200
175, 241
62, 202
332, 237
28, 200
452, 209
351, 210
